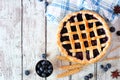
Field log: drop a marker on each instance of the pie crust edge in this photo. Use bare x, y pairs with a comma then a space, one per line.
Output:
73, 59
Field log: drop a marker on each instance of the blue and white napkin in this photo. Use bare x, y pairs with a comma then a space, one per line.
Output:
58, 9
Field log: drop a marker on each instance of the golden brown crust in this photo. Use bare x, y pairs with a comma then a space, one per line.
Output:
63, 58
113, 58
70, 72
73, 66
84, 61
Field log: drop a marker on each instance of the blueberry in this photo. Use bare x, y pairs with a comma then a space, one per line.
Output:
41, 69
50, 71
105, 39
44, 56
105, 69
118, 33
39, 65
90, 75
43, 62
50, 67
101, 66
46, 3
86, 78
47, 63
100, 31
112, 29
108, 65
107, 19
43, 75
94, 42
83, 35
46, 71
27, 72
38, 72
92, 34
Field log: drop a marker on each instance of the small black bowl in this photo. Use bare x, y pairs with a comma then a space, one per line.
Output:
44, 68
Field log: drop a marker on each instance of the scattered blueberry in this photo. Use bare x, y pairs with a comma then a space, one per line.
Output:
43, 63
101, 66
105, 69
46, 71
90, 75
44, 56
46, 3
86, 78
107, 19
44, 68
43, 75
27, 72
49, 67
108, 65
50, 71
118, 33
112, 29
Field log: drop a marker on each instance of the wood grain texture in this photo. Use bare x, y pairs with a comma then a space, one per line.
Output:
33, 36
10, 40
114, 51
52, 51
84, 72
101, 74
23, 39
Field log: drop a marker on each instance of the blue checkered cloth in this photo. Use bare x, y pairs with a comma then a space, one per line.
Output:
57, 10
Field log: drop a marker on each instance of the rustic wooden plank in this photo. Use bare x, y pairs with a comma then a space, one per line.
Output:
10, 39
33, 36
102, 75
113, 52
52, 51
85, 71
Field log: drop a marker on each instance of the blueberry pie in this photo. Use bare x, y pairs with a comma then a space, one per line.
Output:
83, 37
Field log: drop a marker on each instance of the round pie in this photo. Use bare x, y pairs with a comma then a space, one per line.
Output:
83, 37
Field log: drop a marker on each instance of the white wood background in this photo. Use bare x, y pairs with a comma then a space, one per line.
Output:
23, 38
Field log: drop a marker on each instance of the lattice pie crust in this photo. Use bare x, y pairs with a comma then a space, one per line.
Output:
83, 37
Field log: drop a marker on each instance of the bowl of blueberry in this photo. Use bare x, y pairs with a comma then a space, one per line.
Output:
44, 68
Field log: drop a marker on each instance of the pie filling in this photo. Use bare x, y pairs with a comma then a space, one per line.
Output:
85, 35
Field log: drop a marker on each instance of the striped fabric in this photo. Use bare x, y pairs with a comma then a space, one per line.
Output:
59, 8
